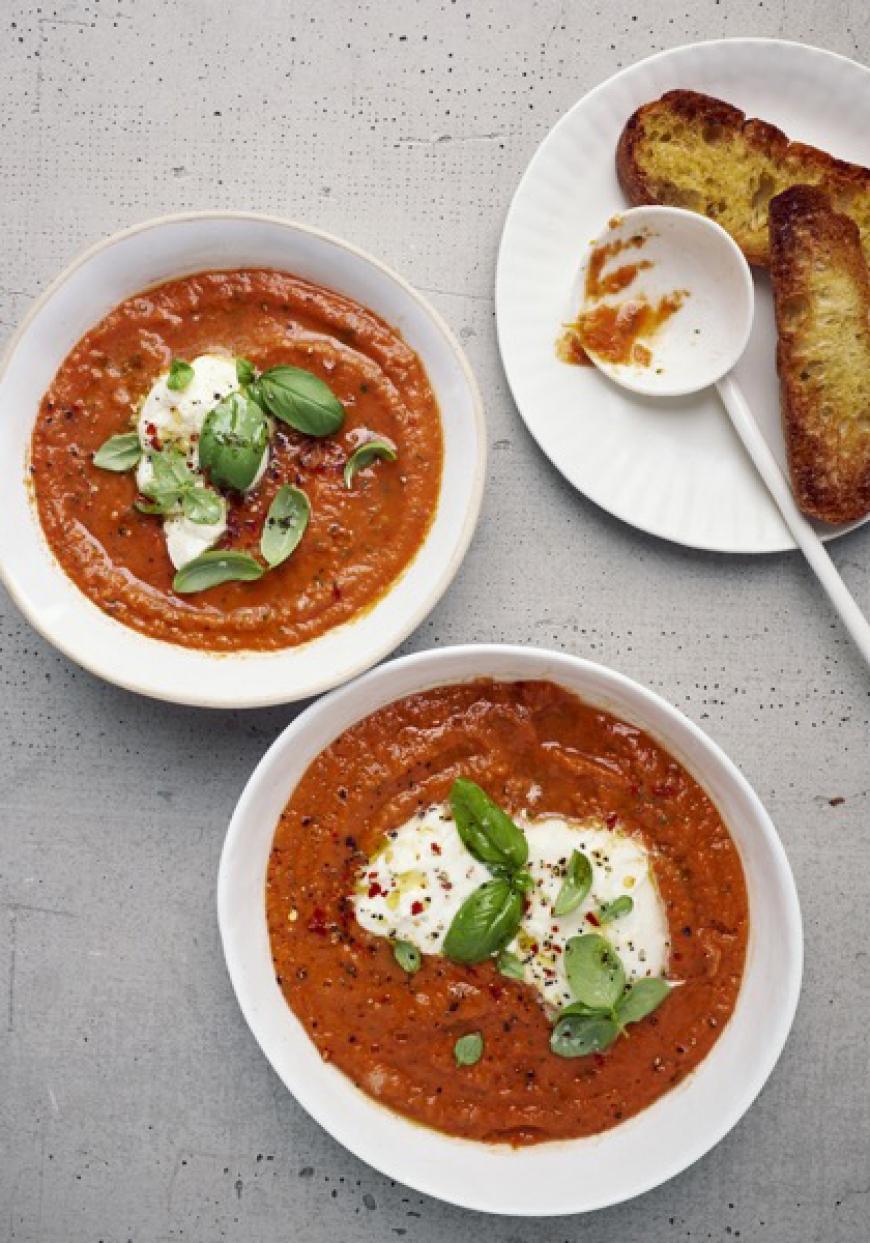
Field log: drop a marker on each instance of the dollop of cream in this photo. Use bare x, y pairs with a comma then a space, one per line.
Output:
411, 889
170, 417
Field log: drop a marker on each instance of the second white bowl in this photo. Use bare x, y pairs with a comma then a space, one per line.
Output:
175, 246
561, 1177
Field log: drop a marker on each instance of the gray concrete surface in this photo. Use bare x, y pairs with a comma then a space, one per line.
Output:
134, 1104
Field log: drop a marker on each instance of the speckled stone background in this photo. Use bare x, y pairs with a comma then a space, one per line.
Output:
134, 1104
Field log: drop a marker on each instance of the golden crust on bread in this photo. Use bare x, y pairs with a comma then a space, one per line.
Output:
691, 150
822, 297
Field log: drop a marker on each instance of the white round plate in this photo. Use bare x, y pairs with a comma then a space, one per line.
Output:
153, 252
565, 1176
674, 468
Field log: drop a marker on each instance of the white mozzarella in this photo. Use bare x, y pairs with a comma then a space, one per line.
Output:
170, 417
621, 865
412, 888
186, 540
415, 884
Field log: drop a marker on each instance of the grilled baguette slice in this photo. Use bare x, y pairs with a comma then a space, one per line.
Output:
822, 296
691, 150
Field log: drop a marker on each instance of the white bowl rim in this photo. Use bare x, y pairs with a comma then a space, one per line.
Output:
426, 1179
375, 653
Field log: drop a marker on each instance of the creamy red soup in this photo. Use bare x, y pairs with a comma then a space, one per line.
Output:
468, 1047
358, 538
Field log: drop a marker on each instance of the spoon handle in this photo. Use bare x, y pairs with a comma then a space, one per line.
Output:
805, 537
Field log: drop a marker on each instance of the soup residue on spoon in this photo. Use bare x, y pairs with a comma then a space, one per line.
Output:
615, 331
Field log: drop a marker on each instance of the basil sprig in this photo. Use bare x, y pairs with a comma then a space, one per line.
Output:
234, 438
285, 524
595, 972
203, 506
246, 373
577, 1035
510, 965
407, 956
173, 485
576, 885
487, 832
119, 453
487, 920
489, 917
366, 453
299, 398
210, 569
468, 1049
620, 906
604, 1003
180, 375
641, 999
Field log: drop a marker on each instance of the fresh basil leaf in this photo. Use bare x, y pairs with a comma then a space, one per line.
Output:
487, 920
210, 569
245, 371
486, 831
577, 1007
468, 1049
160, 502
522, 881
119, 453
511, 966
365, 454
641, 999
407, 956
170, 478
180, 375
203, 506
596, 976
609, 911
285, 524
578, 1035
301, 399
575, 887
171, 472
153, 507
233, 440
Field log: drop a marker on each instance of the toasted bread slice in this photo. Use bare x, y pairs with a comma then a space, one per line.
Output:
691, 150
822, 295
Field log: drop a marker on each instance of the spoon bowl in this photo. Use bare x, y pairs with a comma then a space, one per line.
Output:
692, 262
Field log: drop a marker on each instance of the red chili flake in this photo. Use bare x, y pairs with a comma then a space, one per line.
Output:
534, 947
593, 919
664, 791
336, 591
557, 949
610, 819
417, 908
598, 1058
435, 848
495, 991
375, 890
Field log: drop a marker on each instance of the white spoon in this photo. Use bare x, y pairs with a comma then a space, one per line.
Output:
700, 343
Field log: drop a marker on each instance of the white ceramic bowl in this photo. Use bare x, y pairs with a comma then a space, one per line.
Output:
566, 1176
173, 246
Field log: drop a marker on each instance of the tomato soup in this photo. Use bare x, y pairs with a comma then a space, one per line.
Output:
467, 1047
359, 537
